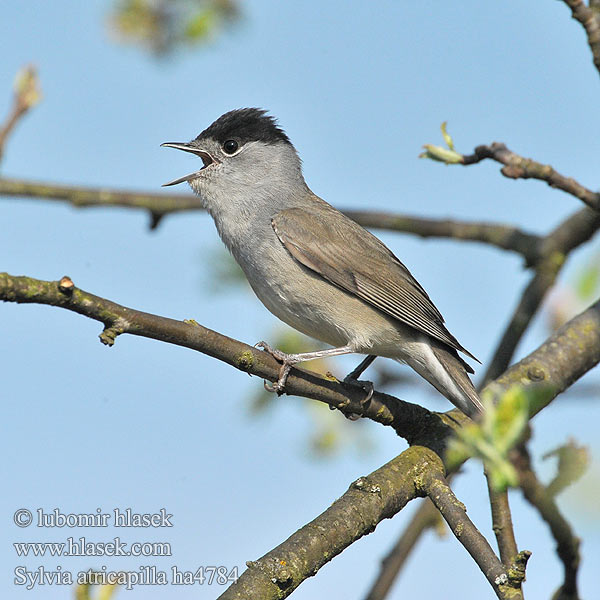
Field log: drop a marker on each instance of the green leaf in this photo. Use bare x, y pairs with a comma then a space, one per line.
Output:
511, 418
440, 154
573, 462
325, 441
164, 26
501, 428
82, 592
200, 25
27, 86
446, 135
588, 280
447, 155
106, 592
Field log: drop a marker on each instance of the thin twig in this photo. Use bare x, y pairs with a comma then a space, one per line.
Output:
502, 236
589, 17
555, 248
413, 422
437, 489
565, 357
518, 167
502, 524
158, 205
506, 237
26, 96
567, 544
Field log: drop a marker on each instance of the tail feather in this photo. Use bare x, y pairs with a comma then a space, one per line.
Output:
469, 401
447, 372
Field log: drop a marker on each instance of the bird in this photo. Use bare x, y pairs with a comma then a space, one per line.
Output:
312, 266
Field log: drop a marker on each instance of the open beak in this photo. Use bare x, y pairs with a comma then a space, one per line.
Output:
207, 160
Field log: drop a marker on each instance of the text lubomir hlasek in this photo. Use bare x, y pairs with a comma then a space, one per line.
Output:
117, 518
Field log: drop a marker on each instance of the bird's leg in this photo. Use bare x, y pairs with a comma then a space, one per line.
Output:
352, 378
360, 369
289, 360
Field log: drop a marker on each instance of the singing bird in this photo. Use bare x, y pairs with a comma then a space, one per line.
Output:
313, 267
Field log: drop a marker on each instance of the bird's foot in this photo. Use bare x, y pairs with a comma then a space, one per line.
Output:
352, 380
287, 362
367, 386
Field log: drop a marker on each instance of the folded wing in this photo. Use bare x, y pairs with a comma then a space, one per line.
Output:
377, 276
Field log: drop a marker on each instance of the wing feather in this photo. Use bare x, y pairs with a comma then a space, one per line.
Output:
378, 278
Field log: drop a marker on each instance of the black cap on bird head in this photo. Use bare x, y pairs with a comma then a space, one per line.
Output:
245, 125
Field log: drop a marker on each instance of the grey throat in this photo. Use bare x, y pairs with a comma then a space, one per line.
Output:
313, 267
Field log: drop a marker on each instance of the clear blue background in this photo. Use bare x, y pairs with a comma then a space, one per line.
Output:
359, 87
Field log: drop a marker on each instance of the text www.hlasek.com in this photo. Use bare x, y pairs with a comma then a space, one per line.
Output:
83, 547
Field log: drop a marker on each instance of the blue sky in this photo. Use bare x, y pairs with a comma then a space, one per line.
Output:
359, 87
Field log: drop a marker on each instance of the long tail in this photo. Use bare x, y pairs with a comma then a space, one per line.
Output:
447, 372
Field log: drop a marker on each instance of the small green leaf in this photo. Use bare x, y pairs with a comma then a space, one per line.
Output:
588, 280
200, 25
163, 26
82, 592
27, 87
325, 442
440, 154
501, 428
106, 592
447, 137
573, 462
511, 418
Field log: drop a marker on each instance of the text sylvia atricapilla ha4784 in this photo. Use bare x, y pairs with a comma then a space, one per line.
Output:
312, 266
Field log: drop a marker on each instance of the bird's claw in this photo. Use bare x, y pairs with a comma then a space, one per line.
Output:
367, 386
272, 388
278, 387
274, 352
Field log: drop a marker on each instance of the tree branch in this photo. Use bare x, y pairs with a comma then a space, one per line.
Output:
502, 524
567, 544
413, 422
565, 357
434, 484
548, 365
368, 501
26, 96
517, 167
426, 517
555, 248
157, 204
560, 361
505, 237
590, 21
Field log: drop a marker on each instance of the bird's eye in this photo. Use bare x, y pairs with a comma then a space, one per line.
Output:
230, 146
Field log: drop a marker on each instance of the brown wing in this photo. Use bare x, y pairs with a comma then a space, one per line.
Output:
350, 257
